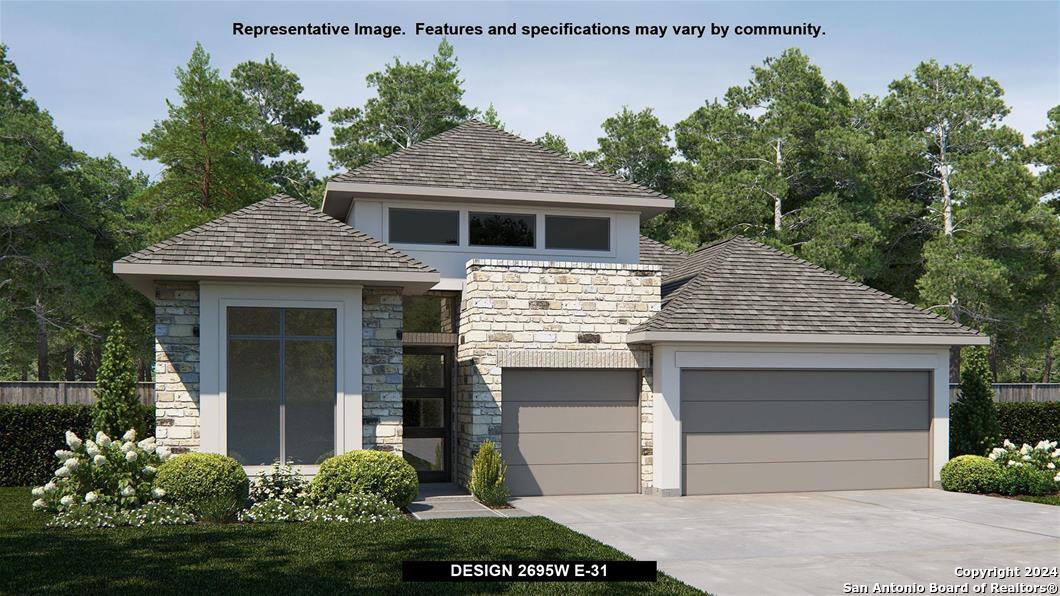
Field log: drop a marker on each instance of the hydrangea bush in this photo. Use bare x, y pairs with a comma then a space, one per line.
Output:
113, 472
1043, 456
348, 508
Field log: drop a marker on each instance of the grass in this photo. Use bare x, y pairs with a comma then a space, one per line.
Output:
282, 558
1045, 500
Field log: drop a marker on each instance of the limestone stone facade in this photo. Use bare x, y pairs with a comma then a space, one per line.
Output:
547, 315
381, 389
177, 365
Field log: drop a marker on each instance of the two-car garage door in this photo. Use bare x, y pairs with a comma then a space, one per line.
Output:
782, 430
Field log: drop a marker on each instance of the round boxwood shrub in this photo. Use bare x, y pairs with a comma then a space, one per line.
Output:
366, 472
970, 474
1026, 480
212, 486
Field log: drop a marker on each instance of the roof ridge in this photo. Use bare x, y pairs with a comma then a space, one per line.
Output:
693, 281
568, 158
856, 283
674, 251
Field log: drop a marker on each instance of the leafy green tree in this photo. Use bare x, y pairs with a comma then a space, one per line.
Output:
413, 102
117, 403
209, 148
940, 117
974, 428
553, 142
1045, 154
636, 146
222, 143
491, 117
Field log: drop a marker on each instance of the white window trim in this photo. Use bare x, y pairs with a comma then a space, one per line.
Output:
215, 298
465, 246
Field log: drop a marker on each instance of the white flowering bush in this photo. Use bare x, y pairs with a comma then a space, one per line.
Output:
350, 508
279, 483
103, 472
1043, 456
95, 515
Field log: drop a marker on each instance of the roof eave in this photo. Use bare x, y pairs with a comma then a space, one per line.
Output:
338, 196
143, 275
649, 336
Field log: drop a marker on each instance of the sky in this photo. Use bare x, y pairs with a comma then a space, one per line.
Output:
104, 69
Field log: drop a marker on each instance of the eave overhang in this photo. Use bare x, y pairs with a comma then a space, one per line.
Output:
339, 196
648, 337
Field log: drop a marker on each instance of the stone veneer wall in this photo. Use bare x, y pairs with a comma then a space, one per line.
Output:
177, 365
547, 315
381, 390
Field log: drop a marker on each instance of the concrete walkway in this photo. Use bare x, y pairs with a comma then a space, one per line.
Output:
814, 543
448, 501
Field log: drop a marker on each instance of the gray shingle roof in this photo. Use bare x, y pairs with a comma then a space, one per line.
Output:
475, 155
742, 286
278, 232
656, 253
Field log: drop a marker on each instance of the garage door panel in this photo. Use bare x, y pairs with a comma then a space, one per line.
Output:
706, 479
573, 479
569, 448
797, 385
570, 431
805, 416
569, 416
533, 385
803, 447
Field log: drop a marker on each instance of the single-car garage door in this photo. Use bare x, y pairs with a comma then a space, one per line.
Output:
748, 431
570, 432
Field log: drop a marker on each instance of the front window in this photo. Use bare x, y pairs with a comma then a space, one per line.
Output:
423, 226
281, 384
577, 233
501, 229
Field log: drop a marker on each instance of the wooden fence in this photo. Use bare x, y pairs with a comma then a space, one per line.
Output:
61, 392
1020, 392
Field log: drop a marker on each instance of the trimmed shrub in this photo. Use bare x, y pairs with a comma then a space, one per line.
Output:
971, 474
117, 404
973, 417
212, 486
1029, 421
1026, 480
30, 435
487, 476
366, 472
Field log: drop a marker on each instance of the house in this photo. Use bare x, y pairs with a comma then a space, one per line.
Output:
476, 286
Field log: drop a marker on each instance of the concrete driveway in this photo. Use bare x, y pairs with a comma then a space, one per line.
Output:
814, 543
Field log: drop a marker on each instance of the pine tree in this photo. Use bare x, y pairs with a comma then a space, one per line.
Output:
974, 428
117, 404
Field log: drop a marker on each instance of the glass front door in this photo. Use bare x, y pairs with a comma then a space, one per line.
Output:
281, 385
426, 378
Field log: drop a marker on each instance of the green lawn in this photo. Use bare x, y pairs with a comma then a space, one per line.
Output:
280, 558
1046, 500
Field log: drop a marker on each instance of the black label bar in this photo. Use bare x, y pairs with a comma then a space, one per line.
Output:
528, 571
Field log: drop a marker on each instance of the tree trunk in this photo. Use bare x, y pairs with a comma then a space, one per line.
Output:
42, 342
778, 210
955, 364
71, 365
1047, 368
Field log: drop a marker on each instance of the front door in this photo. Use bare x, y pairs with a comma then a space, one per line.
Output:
427, 381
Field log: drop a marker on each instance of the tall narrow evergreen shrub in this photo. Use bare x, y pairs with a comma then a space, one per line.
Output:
487, 476
974, 428
117, 405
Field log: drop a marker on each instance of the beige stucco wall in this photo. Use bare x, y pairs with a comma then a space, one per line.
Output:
531, 314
